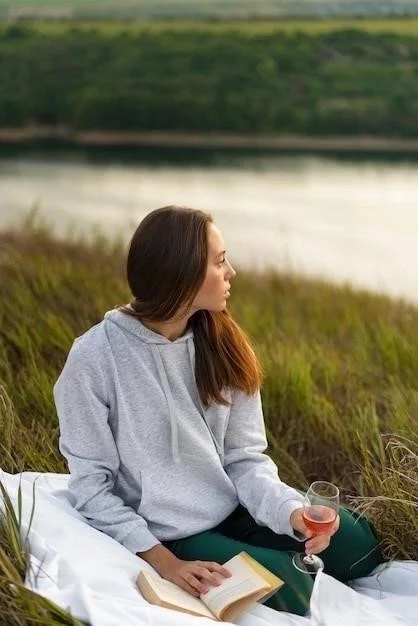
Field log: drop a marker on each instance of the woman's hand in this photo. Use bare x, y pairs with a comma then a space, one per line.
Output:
196, 577
315, 543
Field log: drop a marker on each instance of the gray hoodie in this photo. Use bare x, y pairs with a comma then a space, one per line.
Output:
148, 463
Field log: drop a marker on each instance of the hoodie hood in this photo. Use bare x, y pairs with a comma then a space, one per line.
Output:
155, 341
137, 328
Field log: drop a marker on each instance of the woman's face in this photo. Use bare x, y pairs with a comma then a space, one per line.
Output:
214, 291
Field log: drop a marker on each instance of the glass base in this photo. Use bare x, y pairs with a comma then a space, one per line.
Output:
308, 563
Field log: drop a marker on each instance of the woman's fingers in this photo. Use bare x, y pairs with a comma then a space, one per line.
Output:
205, 574
200, 577
336, 525
317, 543
193, 585
211, 565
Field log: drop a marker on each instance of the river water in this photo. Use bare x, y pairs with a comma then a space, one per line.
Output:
343, 220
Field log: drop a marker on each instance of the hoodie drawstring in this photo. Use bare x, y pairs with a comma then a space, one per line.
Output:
171, 409
170, 403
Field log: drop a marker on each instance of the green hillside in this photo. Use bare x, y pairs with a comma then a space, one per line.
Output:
215, 9
195, 80
405, 26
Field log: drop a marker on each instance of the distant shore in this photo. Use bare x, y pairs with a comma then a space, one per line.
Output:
107, 138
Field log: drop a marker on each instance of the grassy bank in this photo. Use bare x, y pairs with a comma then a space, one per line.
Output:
340, 393
54, 136
398, 26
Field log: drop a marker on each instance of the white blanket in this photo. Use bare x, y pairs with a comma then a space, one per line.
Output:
93, 577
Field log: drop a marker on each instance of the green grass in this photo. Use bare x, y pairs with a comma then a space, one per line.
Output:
340, 394
401, 26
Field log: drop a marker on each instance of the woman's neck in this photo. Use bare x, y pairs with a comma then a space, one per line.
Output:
171, 329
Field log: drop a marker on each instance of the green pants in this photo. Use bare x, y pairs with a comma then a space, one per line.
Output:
352, 553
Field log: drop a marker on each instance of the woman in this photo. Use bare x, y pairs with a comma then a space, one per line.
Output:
162, 426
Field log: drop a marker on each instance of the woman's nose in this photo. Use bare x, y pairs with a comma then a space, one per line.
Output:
231, 271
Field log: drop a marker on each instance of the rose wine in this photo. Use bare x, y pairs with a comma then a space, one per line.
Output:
318, 518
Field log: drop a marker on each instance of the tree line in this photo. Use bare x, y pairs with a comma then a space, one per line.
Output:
337, 83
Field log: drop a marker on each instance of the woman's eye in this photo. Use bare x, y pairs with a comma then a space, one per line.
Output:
222, 261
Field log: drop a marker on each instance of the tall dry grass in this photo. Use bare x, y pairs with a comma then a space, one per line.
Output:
340, 393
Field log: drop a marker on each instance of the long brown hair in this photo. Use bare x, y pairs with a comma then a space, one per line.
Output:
166, 267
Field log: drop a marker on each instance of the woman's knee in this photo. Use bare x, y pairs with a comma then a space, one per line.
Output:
354, 550
294, 596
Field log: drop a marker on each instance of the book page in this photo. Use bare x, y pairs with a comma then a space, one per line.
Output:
272, 579
243, 582
173, 594
221, 598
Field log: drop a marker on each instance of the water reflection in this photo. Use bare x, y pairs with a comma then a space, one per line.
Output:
343, 219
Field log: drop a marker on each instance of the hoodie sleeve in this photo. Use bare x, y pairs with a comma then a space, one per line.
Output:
86, 441
254, 474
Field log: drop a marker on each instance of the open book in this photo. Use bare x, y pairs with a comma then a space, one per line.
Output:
249, 582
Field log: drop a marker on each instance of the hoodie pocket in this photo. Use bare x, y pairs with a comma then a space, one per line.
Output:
165, 486
156, 491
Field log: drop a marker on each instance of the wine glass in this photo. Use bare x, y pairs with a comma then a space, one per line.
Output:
320, 510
